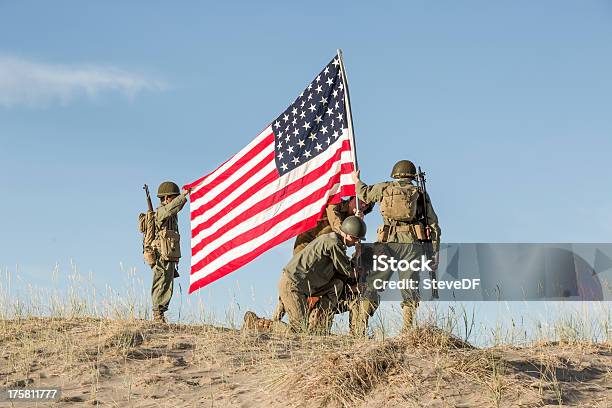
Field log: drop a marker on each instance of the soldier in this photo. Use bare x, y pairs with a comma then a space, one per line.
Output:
400, 208
167, 246
330, 222
314, 272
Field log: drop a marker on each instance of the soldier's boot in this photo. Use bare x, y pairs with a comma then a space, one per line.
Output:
158, 316
279, 312
408, 314
359, 315
254, 323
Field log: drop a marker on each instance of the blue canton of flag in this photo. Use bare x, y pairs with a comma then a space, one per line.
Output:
313, 122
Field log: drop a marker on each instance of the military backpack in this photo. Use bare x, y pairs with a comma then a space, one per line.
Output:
399, 202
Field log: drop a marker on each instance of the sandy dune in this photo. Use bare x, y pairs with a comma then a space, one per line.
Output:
139, 364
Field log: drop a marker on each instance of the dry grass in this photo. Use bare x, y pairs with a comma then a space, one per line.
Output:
101, 350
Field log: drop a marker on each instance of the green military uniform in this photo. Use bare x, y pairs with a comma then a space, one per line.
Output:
312, 272
393, 231
165, 271
331, 220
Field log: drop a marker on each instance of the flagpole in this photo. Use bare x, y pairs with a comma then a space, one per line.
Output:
349, 118
347, 105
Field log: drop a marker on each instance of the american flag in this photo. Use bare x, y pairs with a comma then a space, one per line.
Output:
275, 187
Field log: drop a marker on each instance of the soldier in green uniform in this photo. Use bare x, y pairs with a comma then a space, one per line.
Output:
318, 271
330, 222
399, 204
167, 246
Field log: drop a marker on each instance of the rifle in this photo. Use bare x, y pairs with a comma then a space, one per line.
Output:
425, 219
149, 203
147, 227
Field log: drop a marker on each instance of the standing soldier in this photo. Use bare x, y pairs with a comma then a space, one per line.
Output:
166, 247
314, 272
401, 211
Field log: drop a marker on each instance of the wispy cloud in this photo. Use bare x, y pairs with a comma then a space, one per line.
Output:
34, 84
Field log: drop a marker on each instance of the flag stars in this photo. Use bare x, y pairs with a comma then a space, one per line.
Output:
312, 122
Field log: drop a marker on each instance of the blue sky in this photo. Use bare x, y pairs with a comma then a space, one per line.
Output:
507, 105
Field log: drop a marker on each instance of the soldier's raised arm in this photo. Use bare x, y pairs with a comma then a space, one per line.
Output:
333, 217
368, 194
172, 208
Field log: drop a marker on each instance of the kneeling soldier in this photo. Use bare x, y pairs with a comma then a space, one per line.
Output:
331, 221
311, 274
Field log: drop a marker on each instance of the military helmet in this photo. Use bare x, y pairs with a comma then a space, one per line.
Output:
403, 169
354, 226
168, 188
